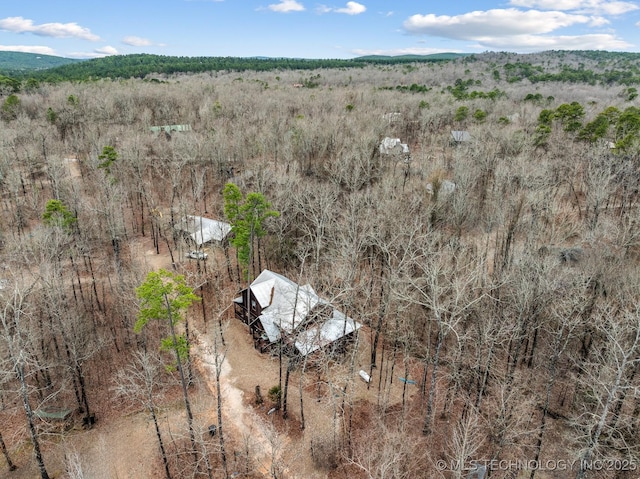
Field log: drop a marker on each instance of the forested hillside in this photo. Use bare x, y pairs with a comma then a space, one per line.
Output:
17, 63
492, 263
591, 67
140, 65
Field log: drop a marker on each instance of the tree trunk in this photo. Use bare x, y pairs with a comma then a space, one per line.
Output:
32, 428
384, 303
183, 381
426, 428
5, 453
290, 365
223, 454
163, 453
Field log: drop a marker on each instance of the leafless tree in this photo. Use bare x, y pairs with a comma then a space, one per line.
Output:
383, 453
18, 337
606, 380
447, 293
142, 382
465, 441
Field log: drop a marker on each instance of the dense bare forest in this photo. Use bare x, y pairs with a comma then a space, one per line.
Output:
495, 274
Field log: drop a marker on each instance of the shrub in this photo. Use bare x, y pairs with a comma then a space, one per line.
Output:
479, 115
274, 394
462, 113
10, 107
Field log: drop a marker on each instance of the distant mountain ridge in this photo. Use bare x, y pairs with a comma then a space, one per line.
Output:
20, 62
142, 64
574, 66
431, 57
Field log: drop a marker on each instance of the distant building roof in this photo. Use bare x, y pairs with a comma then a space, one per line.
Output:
446, 186
391, 145
204, 230
460, 136
170, 128
393, 116
60, 414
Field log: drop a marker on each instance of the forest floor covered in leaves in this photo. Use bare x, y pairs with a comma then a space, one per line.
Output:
259, 442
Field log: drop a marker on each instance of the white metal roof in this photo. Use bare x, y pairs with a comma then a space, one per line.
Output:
331, 330
388, 145
270, 328
203, 230
460, 136
277, 294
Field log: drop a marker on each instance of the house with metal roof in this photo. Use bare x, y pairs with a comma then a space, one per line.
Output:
393, 146
280, 311
201, 230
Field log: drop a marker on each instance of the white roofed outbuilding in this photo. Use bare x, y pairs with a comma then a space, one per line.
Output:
203, 230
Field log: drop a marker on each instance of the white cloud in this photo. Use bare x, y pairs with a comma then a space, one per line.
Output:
106, 50
286, 6
352, 8
57, 30
518, 30
491, 23
136, 41
594, 7
28, 49
101, 52
533, 43
598, 21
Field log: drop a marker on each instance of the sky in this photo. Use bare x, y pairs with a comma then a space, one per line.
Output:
310, 29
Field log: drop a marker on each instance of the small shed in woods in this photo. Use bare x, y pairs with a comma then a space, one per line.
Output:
460, 136
201, 230
56, 417
277, 309
54, 413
